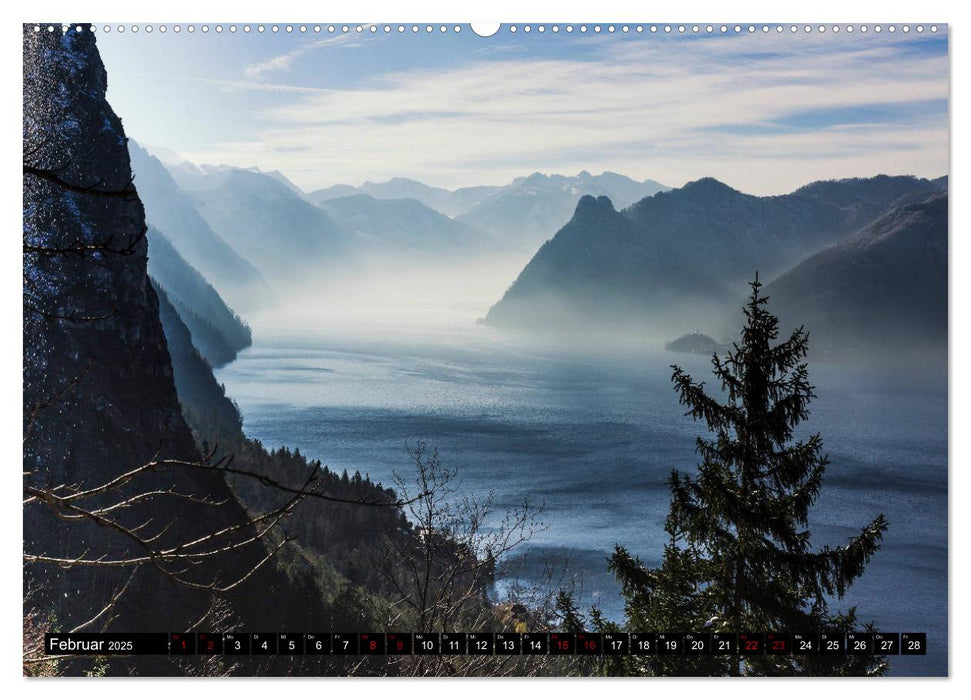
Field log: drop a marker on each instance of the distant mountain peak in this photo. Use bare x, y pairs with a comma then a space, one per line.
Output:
165, 155
709, 185
356, 197
283, 179
405, 180
593, 207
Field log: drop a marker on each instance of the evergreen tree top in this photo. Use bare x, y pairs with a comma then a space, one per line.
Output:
739, 555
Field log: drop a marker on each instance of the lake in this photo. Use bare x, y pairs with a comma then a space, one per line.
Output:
593, 437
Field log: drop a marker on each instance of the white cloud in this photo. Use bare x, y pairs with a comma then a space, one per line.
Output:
284, 62
649, 108
239, 86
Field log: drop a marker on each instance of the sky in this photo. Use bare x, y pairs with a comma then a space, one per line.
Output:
765, 112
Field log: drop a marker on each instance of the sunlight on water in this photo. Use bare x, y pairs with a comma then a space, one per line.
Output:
594, 438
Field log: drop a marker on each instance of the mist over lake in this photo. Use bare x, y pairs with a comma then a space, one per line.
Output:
593, 436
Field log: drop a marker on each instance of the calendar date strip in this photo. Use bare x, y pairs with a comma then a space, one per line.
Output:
484, 643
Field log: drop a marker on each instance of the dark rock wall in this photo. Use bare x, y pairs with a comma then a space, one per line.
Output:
99, 396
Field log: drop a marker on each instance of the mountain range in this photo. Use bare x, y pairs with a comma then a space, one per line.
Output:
406, 226
253, 233
527, 212
522, 214
681, 258
449, 202
265, 220
169, 209
625, 255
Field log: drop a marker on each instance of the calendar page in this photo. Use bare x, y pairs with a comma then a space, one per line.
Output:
515, 349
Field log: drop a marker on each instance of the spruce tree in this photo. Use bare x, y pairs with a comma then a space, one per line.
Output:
739, 557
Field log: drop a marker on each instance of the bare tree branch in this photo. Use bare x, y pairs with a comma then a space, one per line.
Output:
54, 398
223, 465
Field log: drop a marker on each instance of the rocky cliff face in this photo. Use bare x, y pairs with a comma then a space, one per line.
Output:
89, 315
99, 396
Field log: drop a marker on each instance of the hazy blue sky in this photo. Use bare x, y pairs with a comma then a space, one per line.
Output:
765, 112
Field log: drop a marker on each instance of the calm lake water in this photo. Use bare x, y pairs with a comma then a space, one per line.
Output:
594, 438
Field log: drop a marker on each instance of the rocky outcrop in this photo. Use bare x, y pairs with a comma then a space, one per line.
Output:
99, 396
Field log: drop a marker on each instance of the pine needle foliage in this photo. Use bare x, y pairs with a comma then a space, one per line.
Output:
739, 556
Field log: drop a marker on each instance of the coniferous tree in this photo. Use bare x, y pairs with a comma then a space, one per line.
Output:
739, 556
570, 617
